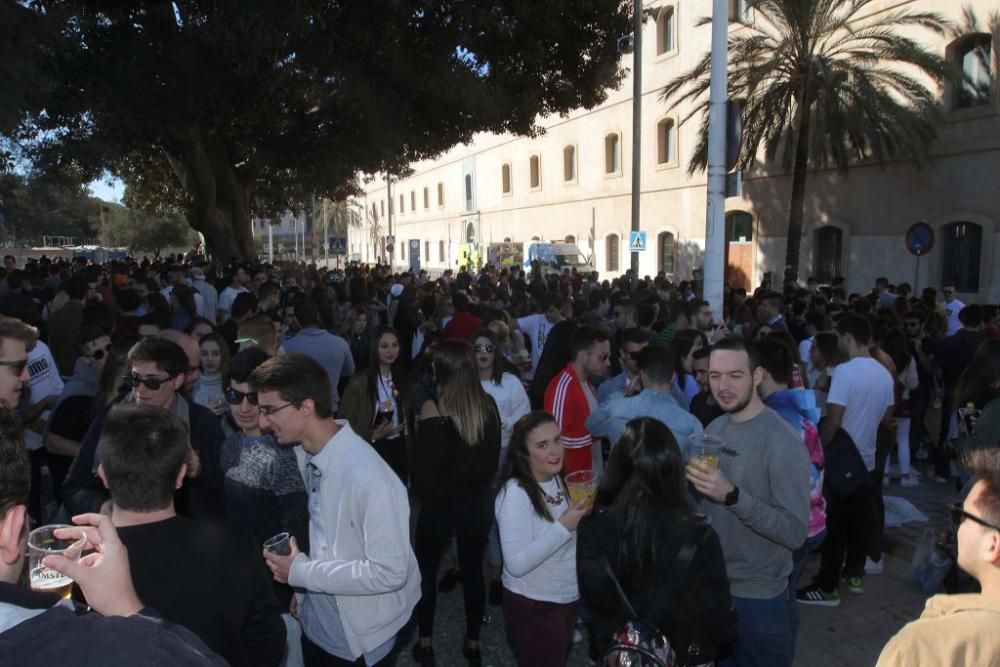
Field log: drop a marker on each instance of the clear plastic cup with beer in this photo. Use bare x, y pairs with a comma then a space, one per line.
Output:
582, 486
43, 542
280, 544
705, 450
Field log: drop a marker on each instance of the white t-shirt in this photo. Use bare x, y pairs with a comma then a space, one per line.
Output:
511, 400
44, 381
227, 297
953, 309
537, 327
864, 387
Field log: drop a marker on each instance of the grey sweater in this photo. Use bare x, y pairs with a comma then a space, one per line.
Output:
765, 458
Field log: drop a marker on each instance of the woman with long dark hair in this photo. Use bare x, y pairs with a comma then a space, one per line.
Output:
555, 356
357, 333
454, 459
897, 346
538, 539
375, 402
642, 521
976, 399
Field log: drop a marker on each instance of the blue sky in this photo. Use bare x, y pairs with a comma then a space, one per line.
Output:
112, 191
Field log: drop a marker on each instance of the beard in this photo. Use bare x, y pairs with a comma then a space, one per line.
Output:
741, 403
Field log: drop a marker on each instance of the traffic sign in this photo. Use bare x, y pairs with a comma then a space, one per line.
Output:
391, 240
919, 239
338, 245
637, 242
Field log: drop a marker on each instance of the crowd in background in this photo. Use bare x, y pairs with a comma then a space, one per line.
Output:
206, 409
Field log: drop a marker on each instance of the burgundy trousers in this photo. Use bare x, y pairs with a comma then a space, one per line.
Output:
541, 632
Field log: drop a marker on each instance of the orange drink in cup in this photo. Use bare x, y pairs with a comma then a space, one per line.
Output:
582, 486
705, 450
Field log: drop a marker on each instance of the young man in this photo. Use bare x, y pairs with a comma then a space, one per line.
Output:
758, 502
570, 397
238, 280
703, 405
15, 338
205, 576
360, 581
156, 372
952, 308
632, 341
860, 398
537, 327
65, 325
962, 629
332, 352
771, 312
39, 629
655, 366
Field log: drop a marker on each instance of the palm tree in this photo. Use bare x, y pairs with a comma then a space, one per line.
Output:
824, 81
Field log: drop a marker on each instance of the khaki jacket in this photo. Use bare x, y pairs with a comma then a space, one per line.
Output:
953, 630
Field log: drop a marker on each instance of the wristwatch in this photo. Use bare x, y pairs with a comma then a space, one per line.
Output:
733, 496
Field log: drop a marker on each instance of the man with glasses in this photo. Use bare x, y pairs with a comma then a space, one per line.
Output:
359, 582
156, 369
15, 338
962, 629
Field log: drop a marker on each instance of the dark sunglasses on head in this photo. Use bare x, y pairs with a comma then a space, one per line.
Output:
99, 353
234, 397
958, 515
488, 349
153, 384
17, 366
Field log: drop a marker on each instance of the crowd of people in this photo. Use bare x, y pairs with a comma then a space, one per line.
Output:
190, 413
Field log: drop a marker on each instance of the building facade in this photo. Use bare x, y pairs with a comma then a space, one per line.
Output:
573, 182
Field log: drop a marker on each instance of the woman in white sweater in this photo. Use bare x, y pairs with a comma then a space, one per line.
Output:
512, 402
538, 538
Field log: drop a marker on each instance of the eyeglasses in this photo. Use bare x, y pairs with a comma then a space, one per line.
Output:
958, 515
153, 384
488, 349
17, 366
99, 353
234, 397
268, 410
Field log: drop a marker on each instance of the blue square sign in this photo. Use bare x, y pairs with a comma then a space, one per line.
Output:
637, 242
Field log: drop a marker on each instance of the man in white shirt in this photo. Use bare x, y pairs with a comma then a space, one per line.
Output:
239, 279
537, 328
359, 583
952, 307
860, 398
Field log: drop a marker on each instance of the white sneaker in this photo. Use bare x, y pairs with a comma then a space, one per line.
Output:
909, 481
577, 636
874, 567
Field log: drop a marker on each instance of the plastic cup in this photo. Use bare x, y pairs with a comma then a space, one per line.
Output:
582, 486
43, 542
280, 544
705, 450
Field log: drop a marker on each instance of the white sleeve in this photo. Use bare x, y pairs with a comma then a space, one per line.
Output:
520, 405
840, 389
911, 380
522, 553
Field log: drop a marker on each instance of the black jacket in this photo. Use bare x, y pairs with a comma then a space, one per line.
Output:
442, 462
701, 613
200, 497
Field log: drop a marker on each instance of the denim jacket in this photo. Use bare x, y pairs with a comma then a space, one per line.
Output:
608, 420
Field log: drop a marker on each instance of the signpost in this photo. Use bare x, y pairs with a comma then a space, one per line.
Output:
338, 245
919, 241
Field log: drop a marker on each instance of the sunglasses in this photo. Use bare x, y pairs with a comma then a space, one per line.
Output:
958, 515
153, 384
488, 349
17, 366
100, 352
234, 397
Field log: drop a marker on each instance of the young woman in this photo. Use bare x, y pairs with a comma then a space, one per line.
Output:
375, 402
538, 539
897, 346
642, 521
358, 335
512, 402
209, 388
455, 458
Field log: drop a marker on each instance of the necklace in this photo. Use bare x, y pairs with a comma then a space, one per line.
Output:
553, 500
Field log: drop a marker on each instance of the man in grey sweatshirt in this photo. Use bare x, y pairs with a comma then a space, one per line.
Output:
758, 502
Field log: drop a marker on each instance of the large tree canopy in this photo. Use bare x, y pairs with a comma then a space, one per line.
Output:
219, 107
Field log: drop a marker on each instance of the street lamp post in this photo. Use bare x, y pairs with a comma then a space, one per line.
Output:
636, 127
715, 218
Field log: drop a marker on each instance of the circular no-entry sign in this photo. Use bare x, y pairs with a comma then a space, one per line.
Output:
919, 239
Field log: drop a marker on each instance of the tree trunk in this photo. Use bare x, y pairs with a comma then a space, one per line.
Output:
220, 197
796, 207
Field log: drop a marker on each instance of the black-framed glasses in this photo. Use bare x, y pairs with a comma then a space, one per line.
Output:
153, 384
268, 410
234, 397
958, 515
17, 366
488, 349
100, 352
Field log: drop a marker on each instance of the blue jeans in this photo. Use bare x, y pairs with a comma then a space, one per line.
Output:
799, 559
765, 629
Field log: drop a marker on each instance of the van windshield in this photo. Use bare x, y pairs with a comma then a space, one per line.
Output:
570, 260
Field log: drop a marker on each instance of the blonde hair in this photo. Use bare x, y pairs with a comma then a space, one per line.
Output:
460, 394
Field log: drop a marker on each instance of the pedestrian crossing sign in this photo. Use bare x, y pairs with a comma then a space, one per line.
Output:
637, 242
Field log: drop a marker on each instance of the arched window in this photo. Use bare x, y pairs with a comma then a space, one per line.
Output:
534, 172
611, 242
665, 252
739, 227
427, 198
402, 250
402, 205
828, 248
961, 250
413, 200
973, 55
440, 194
468, 192
470, 233
612, 154
666, 141
569, 164
505, 178
440, 251
666, 31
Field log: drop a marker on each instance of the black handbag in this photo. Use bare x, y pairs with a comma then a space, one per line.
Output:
845, 471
